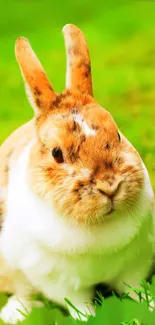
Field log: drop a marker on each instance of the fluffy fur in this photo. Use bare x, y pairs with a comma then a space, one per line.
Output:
71, 224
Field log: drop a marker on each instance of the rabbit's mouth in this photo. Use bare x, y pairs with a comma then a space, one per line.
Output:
94, 203
110, 212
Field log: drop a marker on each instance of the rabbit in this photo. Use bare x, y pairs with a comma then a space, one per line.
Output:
76, 202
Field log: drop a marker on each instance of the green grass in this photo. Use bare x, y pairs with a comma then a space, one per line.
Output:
110, 311
121, 37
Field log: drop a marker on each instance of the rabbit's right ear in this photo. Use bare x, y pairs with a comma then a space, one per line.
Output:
39, 90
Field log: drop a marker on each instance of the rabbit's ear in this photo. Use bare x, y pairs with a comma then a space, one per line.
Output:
78, 75
39, 90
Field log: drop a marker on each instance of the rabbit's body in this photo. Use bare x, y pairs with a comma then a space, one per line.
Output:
58, 259
73, 217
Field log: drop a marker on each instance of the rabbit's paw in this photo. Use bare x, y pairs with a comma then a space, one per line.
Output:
16, 310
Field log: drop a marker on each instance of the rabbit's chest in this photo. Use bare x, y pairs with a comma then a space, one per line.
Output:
77, 271
71, 272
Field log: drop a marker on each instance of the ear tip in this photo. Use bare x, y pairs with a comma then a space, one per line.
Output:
21, 39
69, 28
21, 42
66, 27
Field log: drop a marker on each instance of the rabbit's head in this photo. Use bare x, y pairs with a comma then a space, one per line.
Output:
80, 161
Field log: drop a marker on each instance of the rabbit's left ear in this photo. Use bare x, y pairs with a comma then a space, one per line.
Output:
39, 90
78, 76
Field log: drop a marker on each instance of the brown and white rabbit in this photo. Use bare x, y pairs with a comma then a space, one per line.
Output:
76, 200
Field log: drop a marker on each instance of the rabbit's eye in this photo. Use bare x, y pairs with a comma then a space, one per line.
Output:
119, 137
57, 154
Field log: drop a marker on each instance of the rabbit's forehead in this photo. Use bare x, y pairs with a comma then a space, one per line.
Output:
73, 119
85, 126
87, 121
67, 127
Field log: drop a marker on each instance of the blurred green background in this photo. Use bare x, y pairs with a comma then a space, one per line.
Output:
121, 38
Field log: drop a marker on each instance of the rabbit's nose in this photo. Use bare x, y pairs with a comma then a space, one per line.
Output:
105, 188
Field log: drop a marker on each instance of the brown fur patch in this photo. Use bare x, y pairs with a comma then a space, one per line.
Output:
107, 146
95, 127
58, 100
73, 154
108, 164
67, 102
37, 91
39, 103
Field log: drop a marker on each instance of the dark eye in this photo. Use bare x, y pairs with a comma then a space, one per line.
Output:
57, 154
119, 137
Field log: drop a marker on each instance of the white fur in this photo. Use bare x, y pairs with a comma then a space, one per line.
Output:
83, 172
85, 128
15, 310
62, 260
3, 192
